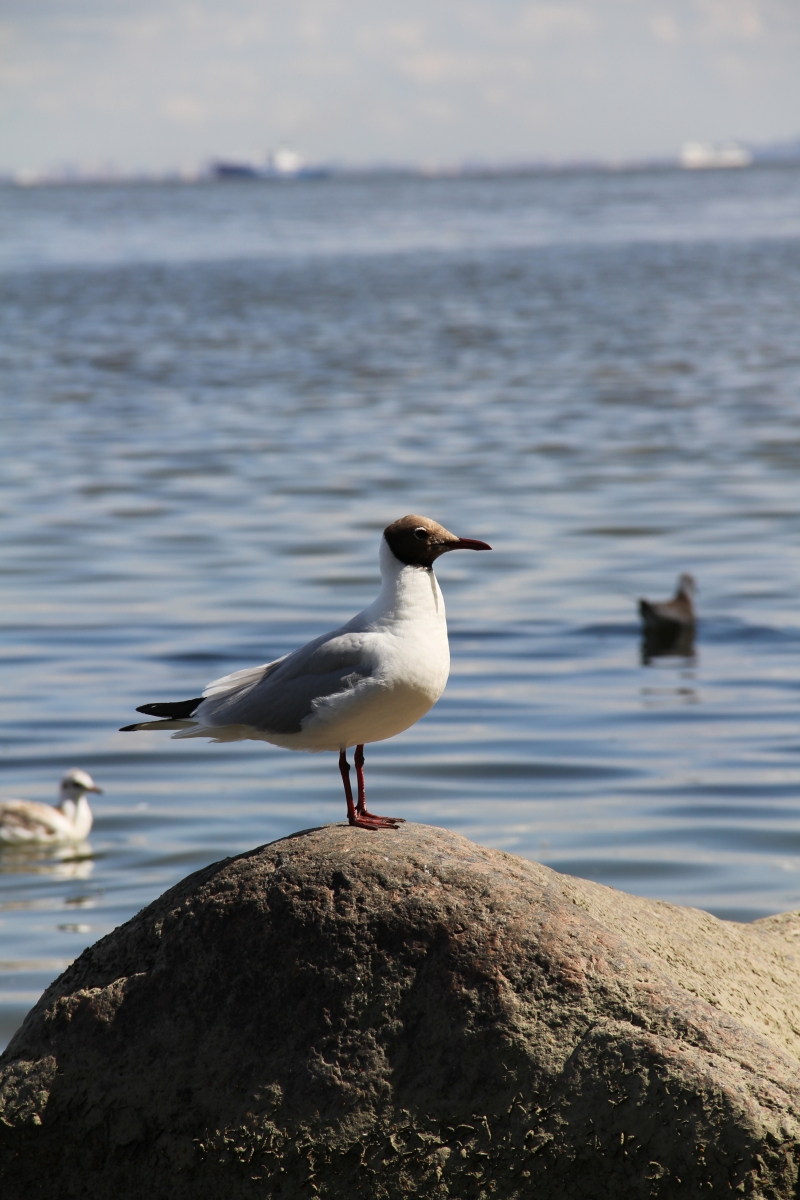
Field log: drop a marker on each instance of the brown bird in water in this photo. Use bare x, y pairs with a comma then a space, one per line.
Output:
674, 614
668, 625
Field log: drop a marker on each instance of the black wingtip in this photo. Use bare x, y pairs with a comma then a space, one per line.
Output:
159, 723
178, 710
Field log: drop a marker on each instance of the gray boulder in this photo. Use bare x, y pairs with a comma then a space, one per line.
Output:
403, 1013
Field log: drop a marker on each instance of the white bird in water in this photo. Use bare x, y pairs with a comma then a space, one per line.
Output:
26, 822
367, 681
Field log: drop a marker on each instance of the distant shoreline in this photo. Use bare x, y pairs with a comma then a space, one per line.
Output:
230, 175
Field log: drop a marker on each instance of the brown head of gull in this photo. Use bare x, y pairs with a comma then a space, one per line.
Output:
27, 823
368, 680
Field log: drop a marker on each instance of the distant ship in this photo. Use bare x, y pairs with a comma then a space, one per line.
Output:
698, 156
282, 164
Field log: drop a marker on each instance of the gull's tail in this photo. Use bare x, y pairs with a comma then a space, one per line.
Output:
174, 715
181, 714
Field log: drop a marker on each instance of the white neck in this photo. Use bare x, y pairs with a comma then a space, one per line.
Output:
78, 813
407, 593
68, 807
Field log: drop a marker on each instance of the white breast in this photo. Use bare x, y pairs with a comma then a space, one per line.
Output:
407, 650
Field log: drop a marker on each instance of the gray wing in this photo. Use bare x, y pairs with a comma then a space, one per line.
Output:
284, 694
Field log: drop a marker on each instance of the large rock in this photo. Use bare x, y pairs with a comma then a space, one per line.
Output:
367, 1015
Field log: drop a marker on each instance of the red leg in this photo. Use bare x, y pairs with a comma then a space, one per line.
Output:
391, 822
364, 821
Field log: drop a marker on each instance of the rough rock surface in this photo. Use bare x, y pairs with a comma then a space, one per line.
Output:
373, 1015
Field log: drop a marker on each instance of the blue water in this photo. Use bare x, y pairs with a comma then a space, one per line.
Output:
214, 398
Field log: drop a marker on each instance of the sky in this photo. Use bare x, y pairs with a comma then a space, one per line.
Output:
161, 84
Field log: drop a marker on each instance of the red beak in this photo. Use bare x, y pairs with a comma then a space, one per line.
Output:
469, 544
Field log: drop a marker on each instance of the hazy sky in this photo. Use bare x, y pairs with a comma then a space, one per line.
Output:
158, 83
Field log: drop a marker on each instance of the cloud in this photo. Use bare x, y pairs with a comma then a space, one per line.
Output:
184, 110
541, 22
721, 21
741, 20
665, 28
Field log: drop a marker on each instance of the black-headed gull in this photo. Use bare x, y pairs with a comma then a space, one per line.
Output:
367, 681
26, 822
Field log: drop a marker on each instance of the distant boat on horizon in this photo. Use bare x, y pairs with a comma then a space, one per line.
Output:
699, 156
282, 164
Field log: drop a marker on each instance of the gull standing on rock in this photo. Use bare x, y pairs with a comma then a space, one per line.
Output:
27, 823
367, 681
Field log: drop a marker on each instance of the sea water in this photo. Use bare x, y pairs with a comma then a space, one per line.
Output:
215, 396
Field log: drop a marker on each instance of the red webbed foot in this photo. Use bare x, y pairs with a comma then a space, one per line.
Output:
393, 822
367, 821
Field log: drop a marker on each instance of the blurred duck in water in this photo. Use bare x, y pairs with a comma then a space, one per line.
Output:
668, 625
28, 823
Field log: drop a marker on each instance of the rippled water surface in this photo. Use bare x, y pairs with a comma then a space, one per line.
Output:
215, 397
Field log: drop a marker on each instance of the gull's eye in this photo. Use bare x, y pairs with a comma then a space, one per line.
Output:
422, 534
